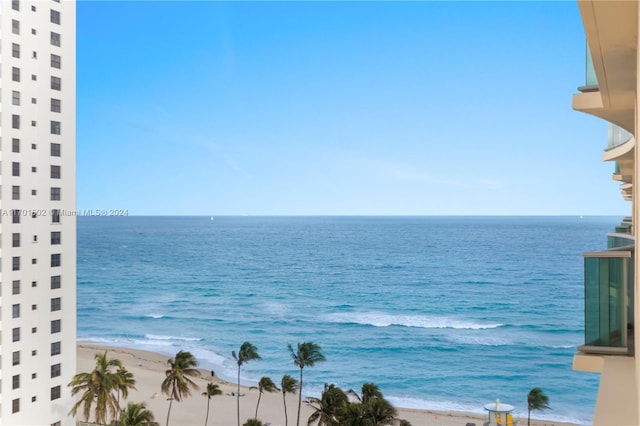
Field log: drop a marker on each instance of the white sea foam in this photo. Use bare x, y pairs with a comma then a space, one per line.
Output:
381, 319
181, 338
156, 316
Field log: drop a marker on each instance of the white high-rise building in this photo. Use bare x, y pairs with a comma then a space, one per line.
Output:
37, 211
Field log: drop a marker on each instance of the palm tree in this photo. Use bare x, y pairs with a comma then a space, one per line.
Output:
136, 415
212, 390
248, 352
330, 408
264, 385
125, 382
177, 381
374, 408
288, 385
308, 354
97, 386
537, 400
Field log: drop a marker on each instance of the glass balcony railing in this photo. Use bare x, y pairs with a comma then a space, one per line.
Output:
617, 136
617, 240
608, 302
591, 79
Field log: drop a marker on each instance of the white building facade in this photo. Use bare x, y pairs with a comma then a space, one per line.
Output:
37, 211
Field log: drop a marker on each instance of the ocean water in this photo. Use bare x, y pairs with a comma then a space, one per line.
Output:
439, 312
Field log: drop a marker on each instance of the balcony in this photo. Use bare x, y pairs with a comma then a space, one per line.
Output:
608, 302
591, 80
617, 136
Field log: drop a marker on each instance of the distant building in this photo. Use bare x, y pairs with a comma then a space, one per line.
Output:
612, 306
37, 184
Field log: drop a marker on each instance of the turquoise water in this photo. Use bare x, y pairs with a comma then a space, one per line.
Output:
440, 312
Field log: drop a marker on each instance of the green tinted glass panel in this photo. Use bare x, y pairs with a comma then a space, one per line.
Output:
591, 72
605, 302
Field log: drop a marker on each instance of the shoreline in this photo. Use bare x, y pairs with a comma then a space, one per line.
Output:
148, 369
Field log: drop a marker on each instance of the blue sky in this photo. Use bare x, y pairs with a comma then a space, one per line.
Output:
338, 108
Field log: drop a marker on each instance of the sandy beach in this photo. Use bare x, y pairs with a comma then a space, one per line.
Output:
149, 368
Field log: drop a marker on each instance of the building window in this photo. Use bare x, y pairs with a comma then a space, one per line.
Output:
55, 105
15, 145
34, 146
15, 121
55, 326
55, 194
55, 348
55, 17
34, 330
55, 39
34, 307
55, 127
55, 304
15, 192
15, 74
15, 26
56, 83
55, 238
34, 169
33, 399
15, 239
55, 216
34, 77
15, 168
15, 334
15, 216
15, 4
55, 392
33, 123
55, 259
34, 283
16, 357
16, 263
55, 172
55, 61
15, 310
56, 282
15, 382
15, 50
33, 8
55, 370
34, 101
15, 406
15, 98
34, 261
55, 150
15, 287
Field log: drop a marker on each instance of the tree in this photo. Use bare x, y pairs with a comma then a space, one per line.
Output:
252, 422
178, 378
288, 385
248, 352
307, 355
374, 408
264, 385
212, 390
136, 415
125, 382
536, 400
329, 408
97, 386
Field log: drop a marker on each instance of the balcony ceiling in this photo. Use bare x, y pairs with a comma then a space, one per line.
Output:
611, 28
